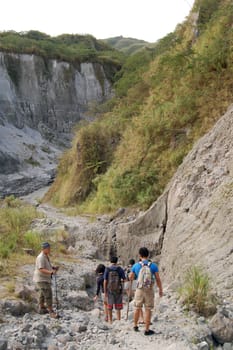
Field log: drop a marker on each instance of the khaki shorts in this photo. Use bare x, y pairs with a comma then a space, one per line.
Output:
45, 293
144, 297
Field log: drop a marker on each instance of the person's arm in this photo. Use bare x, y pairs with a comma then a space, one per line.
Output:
131, 276
105, 282
159, 284
98, 286
105, 287
48, 272
122, 275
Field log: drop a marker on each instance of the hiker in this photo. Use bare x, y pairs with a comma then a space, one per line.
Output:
146, 272
130, 290
128, 285
114, 276
100, 288
43, 277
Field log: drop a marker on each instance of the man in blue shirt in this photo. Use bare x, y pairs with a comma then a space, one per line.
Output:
144, 294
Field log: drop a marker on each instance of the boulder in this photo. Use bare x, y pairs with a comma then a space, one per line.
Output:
16, 308
3, 344
80, 300
222, 328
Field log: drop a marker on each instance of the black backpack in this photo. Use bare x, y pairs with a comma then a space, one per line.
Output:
114, 281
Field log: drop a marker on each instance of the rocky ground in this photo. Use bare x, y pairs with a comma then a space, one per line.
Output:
82, 325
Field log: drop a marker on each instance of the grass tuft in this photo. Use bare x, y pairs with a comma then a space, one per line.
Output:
196, 292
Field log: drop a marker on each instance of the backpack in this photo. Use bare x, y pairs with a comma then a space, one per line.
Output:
145, 278
114, 281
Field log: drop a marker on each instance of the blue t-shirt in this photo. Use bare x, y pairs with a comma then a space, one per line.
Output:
114, 267
137, 267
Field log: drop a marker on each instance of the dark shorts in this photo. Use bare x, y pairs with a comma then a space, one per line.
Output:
115, 299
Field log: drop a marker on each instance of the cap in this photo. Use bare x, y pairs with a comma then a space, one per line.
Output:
45, 245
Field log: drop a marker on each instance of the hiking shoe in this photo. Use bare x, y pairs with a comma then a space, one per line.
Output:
150, 332
136, 329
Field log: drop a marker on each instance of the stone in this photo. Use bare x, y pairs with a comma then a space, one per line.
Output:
26, 293
3, 344
16, 308
222, 328
203, 346
228, 346
80, 300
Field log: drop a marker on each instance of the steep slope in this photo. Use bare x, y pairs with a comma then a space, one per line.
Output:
192, 222
41, 99
166, 98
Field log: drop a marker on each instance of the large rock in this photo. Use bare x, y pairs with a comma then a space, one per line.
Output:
147, 230
16, 308
3, 344
199, 229
222, 328
80, 300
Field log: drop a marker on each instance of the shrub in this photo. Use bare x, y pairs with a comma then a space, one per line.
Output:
15, 219
196, 291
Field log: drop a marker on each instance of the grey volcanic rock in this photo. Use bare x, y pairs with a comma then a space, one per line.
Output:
222, 328
199, 229
40, 101
48, 95
192, 222
3, 344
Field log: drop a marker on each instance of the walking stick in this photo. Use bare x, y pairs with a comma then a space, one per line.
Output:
129, 294
56, 298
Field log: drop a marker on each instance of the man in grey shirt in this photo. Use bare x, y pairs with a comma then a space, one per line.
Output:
42, 277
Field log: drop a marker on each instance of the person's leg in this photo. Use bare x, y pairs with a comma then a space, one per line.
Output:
136, 316
138, 302
41, 298
110, 306
147, 319
118, 299
49, 299
118, 313
141, 318
149, 305
110, 315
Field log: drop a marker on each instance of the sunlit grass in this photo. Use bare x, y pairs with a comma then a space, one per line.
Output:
196, 291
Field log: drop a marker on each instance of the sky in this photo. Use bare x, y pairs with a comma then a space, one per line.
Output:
149, 20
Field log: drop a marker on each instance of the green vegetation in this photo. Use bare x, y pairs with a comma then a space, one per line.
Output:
15, 219
128, 46
196, 292
71, 48
166, 98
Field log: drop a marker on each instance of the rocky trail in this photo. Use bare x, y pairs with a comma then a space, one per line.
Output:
81, 325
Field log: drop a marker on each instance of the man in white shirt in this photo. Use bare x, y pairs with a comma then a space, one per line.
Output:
42, 277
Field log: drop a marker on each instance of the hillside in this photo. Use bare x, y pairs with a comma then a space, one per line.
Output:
68, 47
166, 99
128, 46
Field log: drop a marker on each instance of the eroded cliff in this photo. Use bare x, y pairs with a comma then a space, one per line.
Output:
40, 101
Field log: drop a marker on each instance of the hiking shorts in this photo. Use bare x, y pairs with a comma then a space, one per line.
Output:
45, 293
115, 299
144, 297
